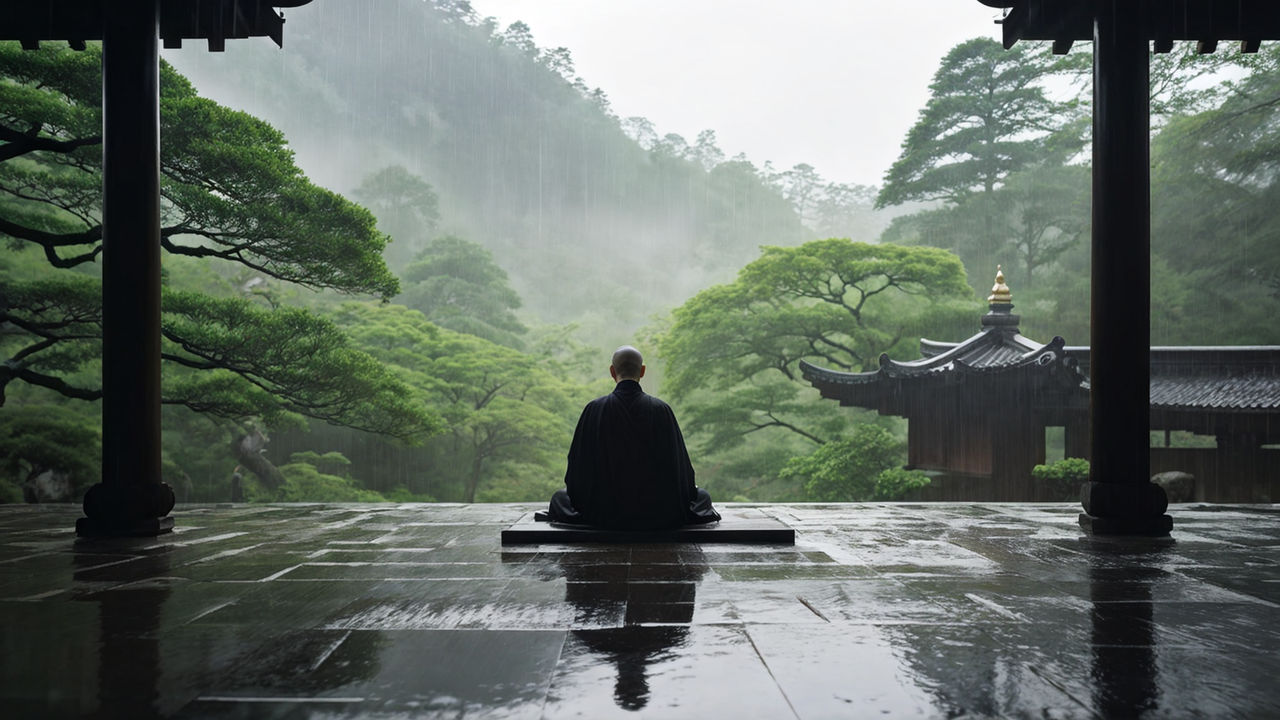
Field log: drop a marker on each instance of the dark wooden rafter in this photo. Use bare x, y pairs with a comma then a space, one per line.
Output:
1205, 22
78, 21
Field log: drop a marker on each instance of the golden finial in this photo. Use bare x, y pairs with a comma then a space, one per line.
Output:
1000, 294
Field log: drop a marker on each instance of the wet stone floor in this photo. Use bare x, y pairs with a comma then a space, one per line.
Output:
878, 610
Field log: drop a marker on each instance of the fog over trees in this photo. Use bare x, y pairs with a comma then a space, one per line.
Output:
398, 255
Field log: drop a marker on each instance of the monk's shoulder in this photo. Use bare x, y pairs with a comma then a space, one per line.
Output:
658, 404
597, 405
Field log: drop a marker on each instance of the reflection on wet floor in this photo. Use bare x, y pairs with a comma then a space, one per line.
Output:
633, 622
947, 610
128, 640
1124, 661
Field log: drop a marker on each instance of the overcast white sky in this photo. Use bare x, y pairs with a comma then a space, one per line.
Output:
834, 83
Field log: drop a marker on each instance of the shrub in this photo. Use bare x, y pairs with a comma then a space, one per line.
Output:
865, 466
1062, 479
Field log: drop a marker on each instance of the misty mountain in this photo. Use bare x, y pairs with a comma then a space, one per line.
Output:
593, 225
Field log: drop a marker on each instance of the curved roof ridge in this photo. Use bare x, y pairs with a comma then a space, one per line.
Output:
1032, 345
933, 360
1056, 345
810, 372
930, 348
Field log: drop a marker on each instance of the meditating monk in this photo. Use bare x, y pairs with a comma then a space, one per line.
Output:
628, 466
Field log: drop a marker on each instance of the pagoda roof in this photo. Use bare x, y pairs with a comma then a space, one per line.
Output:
985, 352
998, 350
1215, 379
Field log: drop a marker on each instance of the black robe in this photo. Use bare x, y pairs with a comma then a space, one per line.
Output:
628, 466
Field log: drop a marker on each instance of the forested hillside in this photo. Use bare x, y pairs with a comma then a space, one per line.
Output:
599, 220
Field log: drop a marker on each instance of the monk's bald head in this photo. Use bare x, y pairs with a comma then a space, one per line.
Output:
627, 364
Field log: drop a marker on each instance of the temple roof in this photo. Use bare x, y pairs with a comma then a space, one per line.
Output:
998, 350
1210, 377
1246, 393
984, 352
1215, 379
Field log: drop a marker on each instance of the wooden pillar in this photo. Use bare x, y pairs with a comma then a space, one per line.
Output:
130, 500
1119, 498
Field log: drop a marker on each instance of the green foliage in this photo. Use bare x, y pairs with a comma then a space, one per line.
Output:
331, 462
231, 189
990, 144
1214, 193
293, 363
39, 438
1038, 214
406, 206
894, 483
988, 116
750, 472
457, 285
300, 362
1215, 277
1045, 213
312, 477
518, 482
10, 492
863, 466
401, 494
305, 483
733, 350
196, 461
508, 414
1062, 478
1187, 82
57, 341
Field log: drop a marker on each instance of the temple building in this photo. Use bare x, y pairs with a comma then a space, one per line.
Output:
979, 410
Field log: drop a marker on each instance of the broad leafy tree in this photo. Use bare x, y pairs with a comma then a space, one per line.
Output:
733, 350
456, 284
504, 411
231, 196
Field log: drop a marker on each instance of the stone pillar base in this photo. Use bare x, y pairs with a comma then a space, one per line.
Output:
146, 527
124, 510
1144, 525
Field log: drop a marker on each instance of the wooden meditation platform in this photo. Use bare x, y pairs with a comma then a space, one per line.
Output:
738, 525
